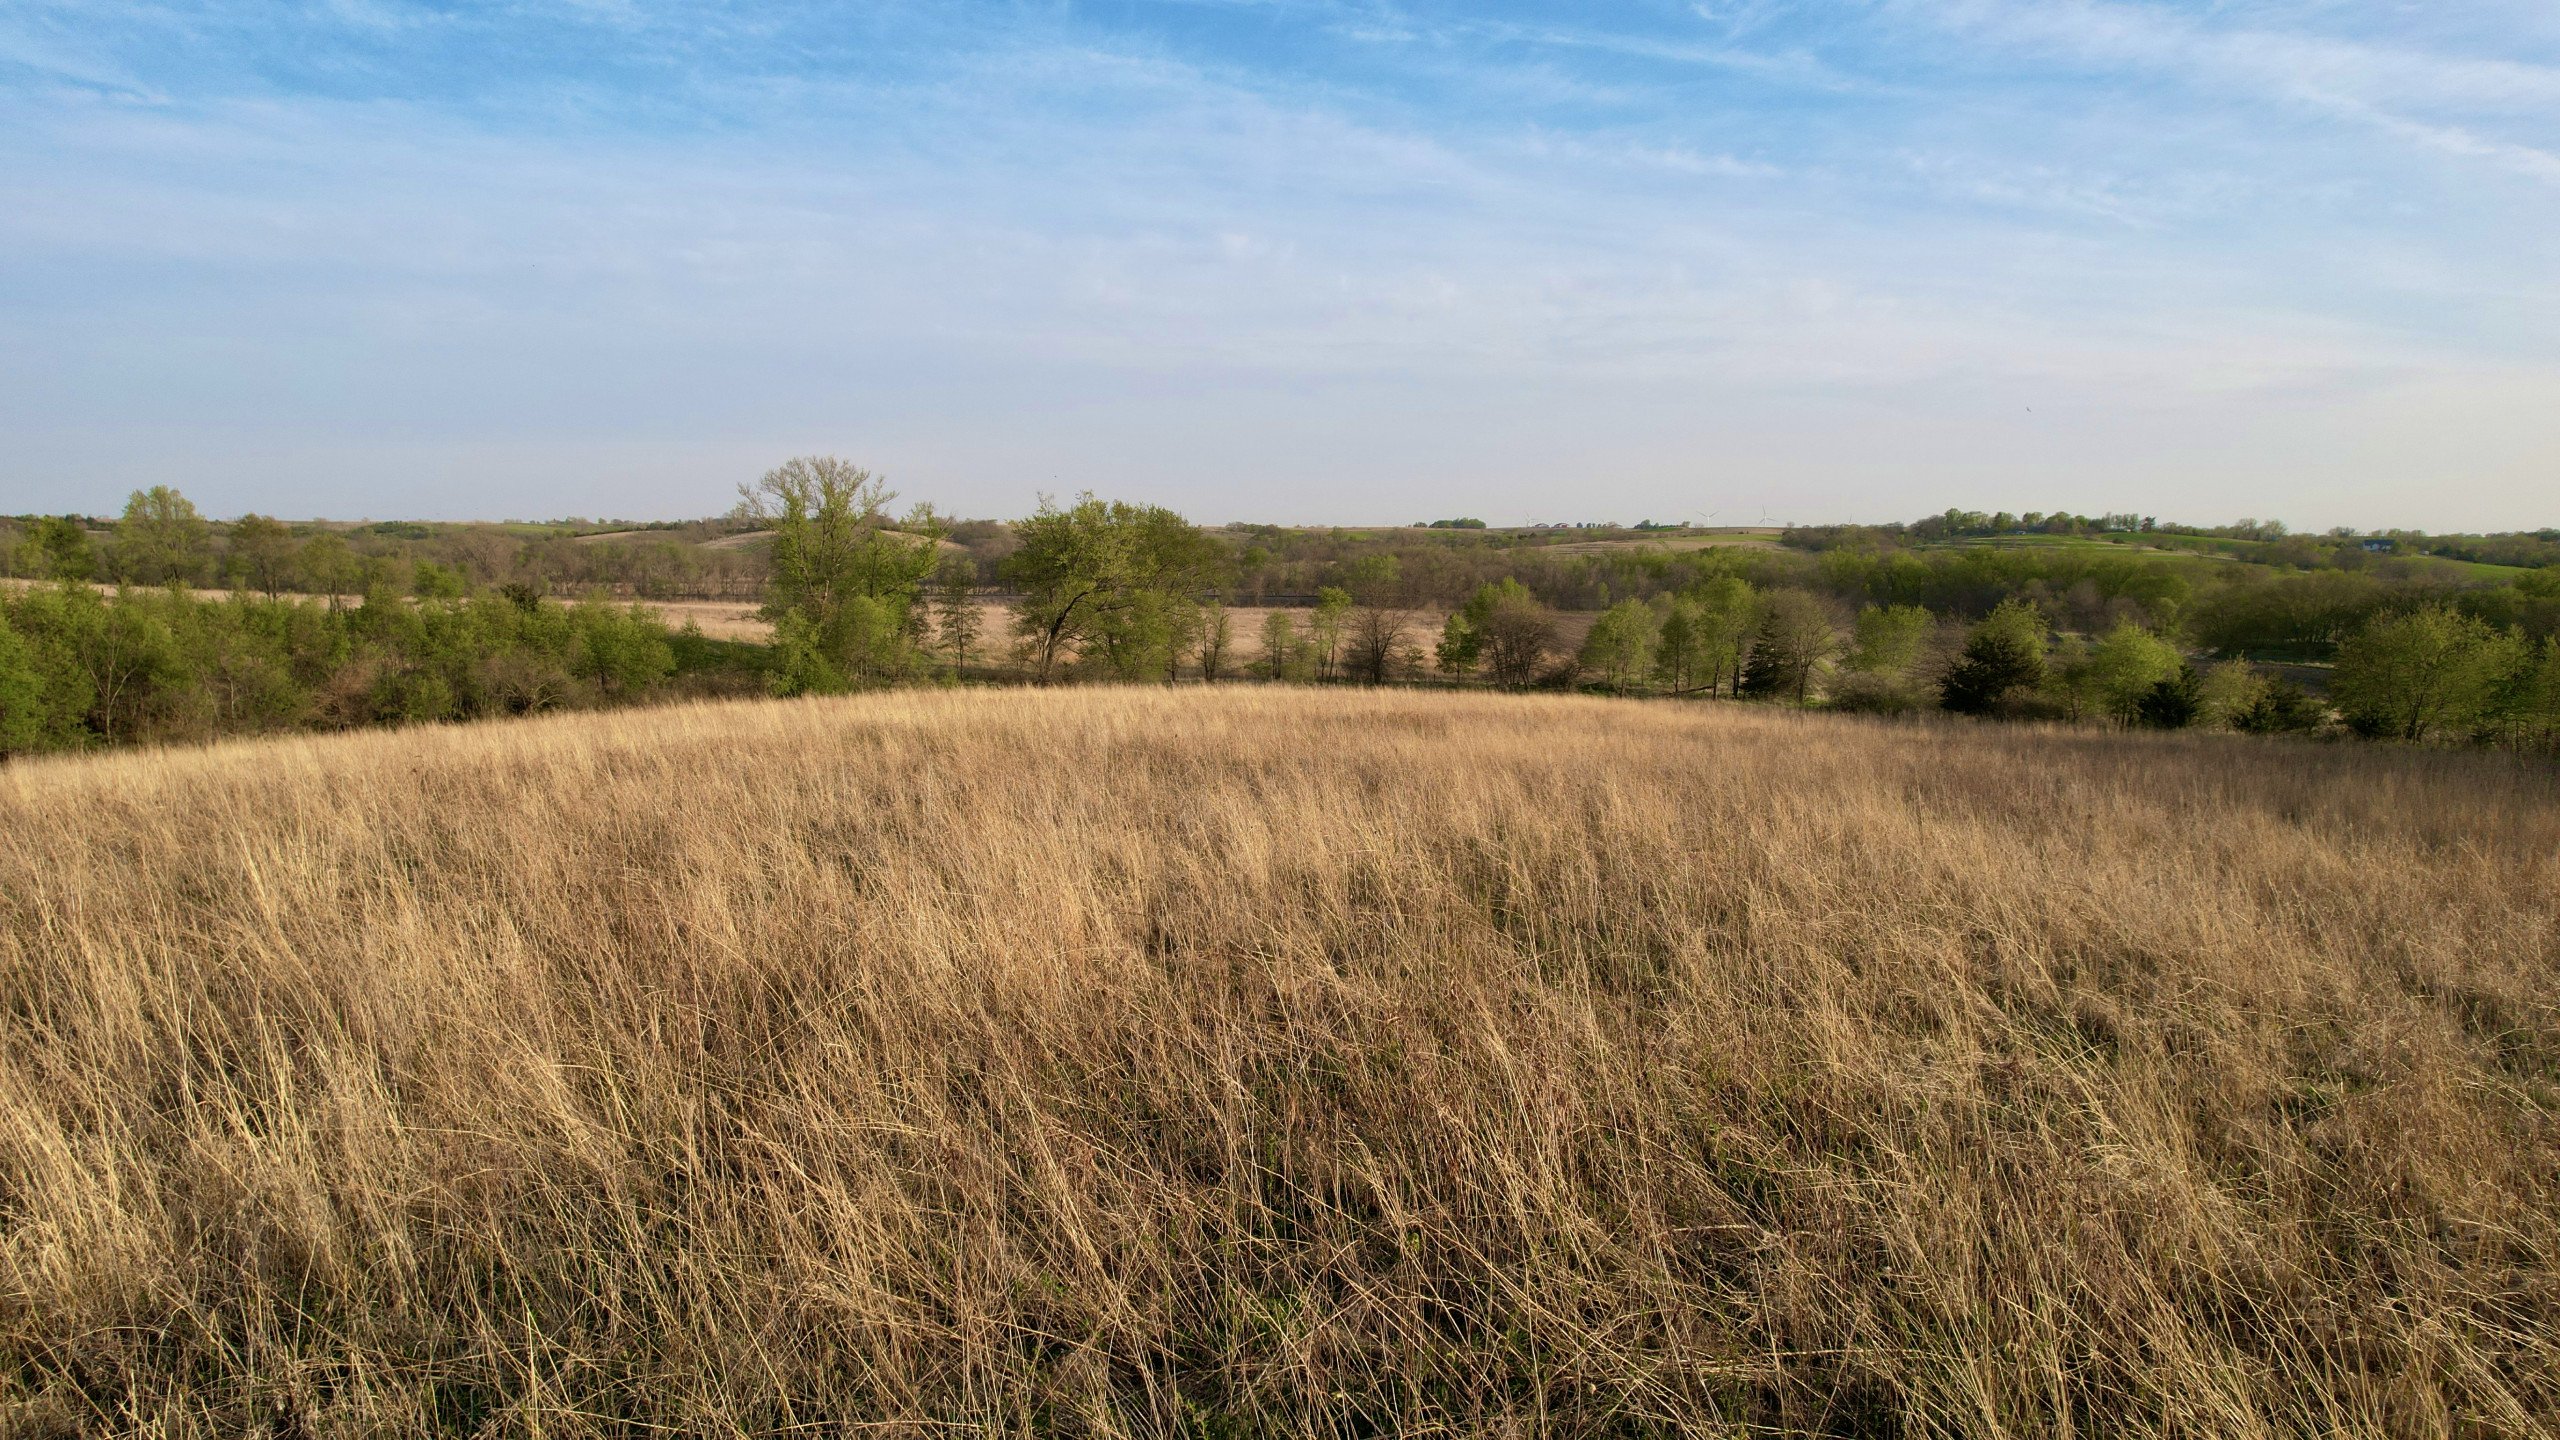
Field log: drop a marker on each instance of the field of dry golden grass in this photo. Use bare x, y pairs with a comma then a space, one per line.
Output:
1270, 1062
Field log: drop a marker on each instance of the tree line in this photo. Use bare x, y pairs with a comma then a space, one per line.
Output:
1096, 589
2427, 673
2250, 589
81, 667
161, 538
1120, 591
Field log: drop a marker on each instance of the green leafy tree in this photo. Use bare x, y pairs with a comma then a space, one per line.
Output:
260, 556
1460, 647
1325, 628
1462, 638
58, 549
1887, 640
1502, 626
2278, 707
25, 714
2534, 708
1108, 583
852, 579
244, 678
957, 619
2229, 688
2114, 676
2004, 652
2069, 681
161, 540
1877, 674
1620, 647
1704, 634
1794, 641
2432, 671
56, 630
330, 567
135, 665
1374, 580
800, 662
1729, 613
1183, 622
1677, 657
623, 651
431, 581
162, 665
1285, 653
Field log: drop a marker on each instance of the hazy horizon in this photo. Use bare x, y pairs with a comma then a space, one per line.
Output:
1299, 262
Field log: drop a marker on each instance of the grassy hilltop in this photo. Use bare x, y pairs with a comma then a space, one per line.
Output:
1275, 1061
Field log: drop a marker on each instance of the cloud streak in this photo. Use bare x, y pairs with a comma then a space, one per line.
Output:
1227, 253
2389, 86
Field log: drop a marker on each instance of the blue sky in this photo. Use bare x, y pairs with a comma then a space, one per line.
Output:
1291, 261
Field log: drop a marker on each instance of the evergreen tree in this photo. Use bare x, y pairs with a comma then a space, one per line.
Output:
1794, 640
1765, 672
2173, 702
2005, 652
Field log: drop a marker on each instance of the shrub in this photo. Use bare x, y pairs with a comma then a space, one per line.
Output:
2004, 653
2279, 708
2427, 673
2173, 702
145, 665
1867, 693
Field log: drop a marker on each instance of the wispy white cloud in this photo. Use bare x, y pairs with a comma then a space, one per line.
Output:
2272, 61
2525, 160
757, 224
1790, 66
2395, 87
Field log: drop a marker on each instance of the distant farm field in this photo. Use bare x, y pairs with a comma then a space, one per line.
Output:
1670, 541
1260, 1061
734, 620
